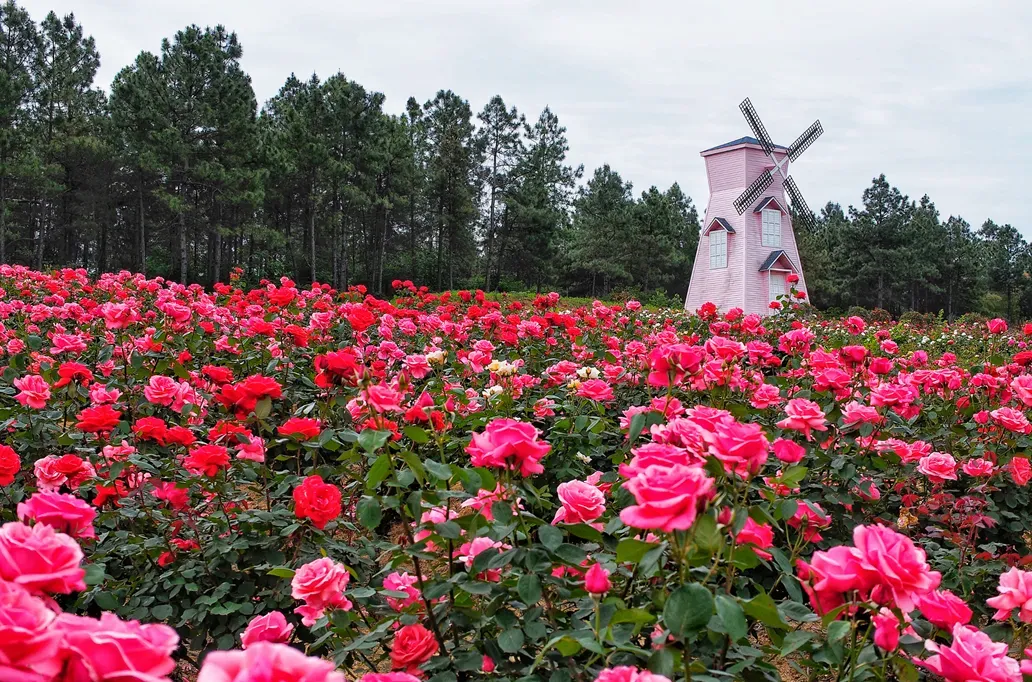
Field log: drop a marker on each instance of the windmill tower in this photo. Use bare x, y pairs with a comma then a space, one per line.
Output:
747, 248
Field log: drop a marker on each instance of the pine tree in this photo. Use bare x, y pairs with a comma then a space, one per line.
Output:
502, 147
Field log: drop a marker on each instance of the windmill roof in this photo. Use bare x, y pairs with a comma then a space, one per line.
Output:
723, 223
767, 201
773, 258
741, 140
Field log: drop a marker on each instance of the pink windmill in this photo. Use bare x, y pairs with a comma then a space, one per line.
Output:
747, 249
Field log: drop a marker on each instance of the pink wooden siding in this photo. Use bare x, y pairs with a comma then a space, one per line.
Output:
741, 284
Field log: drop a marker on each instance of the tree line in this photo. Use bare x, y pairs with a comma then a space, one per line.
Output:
175, 171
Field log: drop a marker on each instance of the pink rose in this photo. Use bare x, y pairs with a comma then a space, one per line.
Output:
29, 645
161, 390
320, 584
978, 468
508, 444
270, 627
895, 563
1011, 419
40, 559
402, 581
596, 580
997, 325
113, 650
383, 398
759, 535
391, 677
886, 630
1015, 590
582, 503
64, 513
938, 467
626, 673
742, 448
804, 416
787, 451
34, 391
264, 662
1020, 470
595, 389
971, 656
668, 498
943, 609
1022, 387
669, 365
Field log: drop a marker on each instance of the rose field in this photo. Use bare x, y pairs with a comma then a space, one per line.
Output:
278, 483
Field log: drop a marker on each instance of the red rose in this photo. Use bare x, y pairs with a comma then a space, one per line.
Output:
207, 460
316, 500
302, 428
98, 419
413, 646
10, 464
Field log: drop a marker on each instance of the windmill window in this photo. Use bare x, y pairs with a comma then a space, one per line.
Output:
717, 249
771, 227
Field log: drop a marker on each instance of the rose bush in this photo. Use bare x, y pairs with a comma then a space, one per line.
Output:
306, 483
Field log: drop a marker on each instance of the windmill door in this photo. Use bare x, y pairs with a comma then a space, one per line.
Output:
777, 284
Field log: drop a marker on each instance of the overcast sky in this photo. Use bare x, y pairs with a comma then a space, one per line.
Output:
937, 95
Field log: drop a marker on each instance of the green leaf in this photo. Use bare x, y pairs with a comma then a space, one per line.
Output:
441, 471
568, 646
263, 408
416, 434
631, 550
476, 587
837, 630
571, 554
707, 535
106, 601
794, 640
161, 612
94, 574
282, 572
793, 476
732, 616
632, 616
369, 512
529, 589
762, 608
637, 425
550, 536
688, 608
510, 641
371, 441
448, 530
378, 472
415, 466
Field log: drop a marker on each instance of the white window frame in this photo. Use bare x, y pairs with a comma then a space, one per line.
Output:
717, 249
771, 230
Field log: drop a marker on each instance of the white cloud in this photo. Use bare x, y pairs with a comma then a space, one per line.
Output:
933, 94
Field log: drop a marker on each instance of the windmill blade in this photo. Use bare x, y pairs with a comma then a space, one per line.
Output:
801, 209
805, 140
753, 119
753, 192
